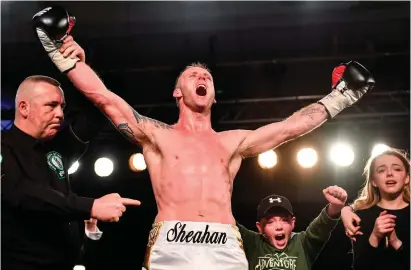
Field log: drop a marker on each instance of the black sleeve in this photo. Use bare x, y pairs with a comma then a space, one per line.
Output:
90, 251
403, 253
403, 232
364, 252
365, 255
22, 193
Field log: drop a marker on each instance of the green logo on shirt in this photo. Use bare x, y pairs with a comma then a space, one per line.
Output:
277, 261
55, 162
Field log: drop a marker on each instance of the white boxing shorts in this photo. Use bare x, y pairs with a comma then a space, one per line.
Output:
186, 245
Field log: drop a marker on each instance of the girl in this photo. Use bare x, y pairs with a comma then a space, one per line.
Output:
382, 212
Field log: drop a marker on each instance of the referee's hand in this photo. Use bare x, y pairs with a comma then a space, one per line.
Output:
111, 207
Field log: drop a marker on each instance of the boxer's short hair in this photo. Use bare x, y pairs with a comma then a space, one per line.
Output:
195, 64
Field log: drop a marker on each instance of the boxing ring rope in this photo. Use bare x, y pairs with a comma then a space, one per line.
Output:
276, 99
232, 111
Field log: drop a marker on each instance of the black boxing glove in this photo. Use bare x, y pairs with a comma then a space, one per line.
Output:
350, 82
52, 25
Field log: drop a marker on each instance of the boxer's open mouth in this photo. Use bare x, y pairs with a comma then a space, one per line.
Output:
201, 90
279, 237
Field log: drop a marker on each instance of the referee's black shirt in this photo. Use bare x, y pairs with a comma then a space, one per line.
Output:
39, 213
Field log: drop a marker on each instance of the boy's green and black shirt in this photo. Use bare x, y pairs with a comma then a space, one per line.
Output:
299, 254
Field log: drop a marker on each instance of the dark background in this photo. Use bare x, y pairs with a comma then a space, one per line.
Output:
268, 60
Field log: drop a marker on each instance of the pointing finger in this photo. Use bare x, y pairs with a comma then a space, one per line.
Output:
127, 201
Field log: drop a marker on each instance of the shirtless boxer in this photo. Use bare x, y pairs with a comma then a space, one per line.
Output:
191, 166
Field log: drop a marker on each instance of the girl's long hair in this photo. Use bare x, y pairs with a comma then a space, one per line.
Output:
370, 195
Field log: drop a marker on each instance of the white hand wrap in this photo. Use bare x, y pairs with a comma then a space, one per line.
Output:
52, 49
341, 98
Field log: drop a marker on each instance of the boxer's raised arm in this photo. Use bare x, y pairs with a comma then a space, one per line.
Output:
53, 23
274, 134
134, 126
350, 82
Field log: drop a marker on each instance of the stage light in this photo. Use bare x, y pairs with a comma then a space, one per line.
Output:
379, 149
307, 157
79, 267
73, 167
103, 167
342, 154
137, 162
268, 159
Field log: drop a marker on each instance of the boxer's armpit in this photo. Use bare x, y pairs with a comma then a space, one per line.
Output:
143, 119
144, 124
